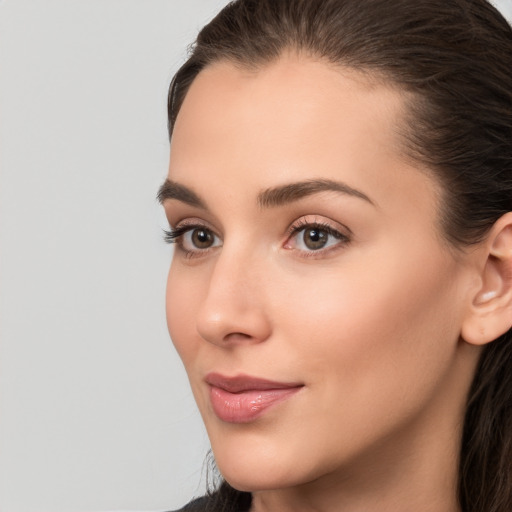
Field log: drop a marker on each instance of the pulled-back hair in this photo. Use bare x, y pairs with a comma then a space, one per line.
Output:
454, 59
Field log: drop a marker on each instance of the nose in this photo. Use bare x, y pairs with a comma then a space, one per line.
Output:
234, 309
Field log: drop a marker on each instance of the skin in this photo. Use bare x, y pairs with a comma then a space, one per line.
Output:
370, 324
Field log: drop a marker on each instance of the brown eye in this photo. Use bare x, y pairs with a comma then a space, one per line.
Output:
193, 240
314, 238
202, 238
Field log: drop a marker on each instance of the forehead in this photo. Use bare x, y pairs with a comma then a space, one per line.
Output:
289, 97
292, 120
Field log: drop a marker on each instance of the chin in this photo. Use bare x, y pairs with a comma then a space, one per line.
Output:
261, 466
257, 478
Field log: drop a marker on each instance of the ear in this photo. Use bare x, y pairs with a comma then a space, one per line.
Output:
490, 313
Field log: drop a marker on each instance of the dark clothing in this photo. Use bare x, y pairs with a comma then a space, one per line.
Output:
226, 499
197, 505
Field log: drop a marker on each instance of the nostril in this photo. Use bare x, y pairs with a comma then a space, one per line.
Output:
237, 336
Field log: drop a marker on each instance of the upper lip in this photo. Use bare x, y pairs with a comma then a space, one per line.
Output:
241, 383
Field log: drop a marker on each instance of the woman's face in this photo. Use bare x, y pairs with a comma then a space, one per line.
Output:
311, 297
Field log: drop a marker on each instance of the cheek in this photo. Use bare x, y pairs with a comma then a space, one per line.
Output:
182, 298
374, 349
375, 327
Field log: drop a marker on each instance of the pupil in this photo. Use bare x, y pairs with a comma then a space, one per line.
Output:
315, 238
202, 238
314, 235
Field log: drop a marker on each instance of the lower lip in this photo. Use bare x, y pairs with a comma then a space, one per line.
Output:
248, 405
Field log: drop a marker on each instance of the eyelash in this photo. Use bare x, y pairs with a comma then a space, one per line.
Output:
175, 236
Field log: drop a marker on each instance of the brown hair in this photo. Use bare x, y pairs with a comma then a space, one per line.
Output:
455, 58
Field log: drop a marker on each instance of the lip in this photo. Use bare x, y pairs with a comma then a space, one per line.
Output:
243, 398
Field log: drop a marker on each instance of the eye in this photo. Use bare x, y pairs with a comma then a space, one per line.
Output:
310, 237
198, 238
314, 238
193, 239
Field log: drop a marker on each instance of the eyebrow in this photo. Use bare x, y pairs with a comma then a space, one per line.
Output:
284, 194
269, 198
172, 190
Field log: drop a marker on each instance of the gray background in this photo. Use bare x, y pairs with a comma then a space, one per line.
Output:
95, 410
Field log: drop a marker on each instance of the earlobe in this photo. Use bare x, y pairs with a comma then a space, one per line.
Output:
490, 313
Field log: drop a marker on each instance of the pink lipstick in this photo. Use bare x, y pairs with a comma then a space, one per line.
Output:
242, 399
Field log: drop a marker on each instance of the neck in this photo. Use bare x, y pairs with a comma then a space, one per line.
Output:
379, 485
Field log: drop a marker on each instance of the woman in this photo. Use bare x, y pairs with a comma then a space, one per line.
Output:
340, 196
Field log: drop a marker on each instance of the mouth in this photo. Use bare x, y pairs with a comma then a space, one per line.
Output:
243, 399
